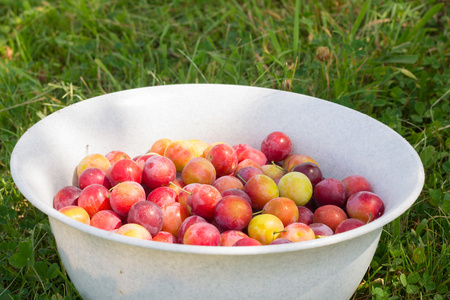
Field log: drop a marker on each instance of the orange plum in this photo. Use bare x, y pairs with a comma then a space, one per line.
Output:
93, 161
116, 155
199, 170
165, 237
76, 213
298, 232
284, 208
227, 182
274, 171
199, 147
295, 159
330, 215
173, 216
180, 152
261, 189
134, 230
160, 146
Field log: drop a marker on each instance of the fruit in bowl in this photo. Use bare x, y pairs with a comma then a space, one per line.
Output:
119, 266
243, 212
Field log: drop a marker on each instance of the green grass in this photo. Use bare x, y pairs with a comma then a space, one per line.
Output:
388, 59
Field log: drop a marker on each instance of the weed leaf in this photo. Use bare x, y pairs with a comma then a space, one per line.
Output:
24, 254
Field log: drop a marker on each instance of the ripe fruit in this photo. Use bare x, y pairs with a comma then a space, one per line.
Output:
305, 215
162, 195
253, 154
215, 194
330, 215
180, 153
274, 171
134, 230
125, 170
276, 146
241, 147
237, 192
280, 241
93, 176
233, 213
94, 198
365, 206
177, 185
330, 191
354, 184
284, 208
293, 160
227, 182
298, 232
107, 220
265, 228
76, 213
321, 230
165, 237
173, 216
296, 186
185, 193
246, 173
224, 159
261, 189
202, 234
116, 155
158, 171
230, 237
66, 196
348, 224
247, 163
199, 147
93, 161
160, 146
147, 214
311, 170
143, 158
199, 170
203, 201
188, 222
124, 195
247, 242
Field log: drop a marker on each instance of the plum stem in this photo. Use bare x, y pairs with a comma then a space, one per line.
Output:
110, 190
277, 232
257, 212
281, 168
370, 218
240, 177
176, 186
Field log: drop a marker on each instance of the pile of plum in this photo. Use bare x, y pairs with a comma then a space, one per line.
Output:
195, 193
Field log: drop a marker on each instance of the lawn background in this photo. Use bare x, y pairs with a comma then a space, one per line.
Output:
388, 59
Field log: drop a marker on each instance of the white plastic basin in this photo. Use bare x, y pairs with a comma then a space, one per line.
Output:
104, 265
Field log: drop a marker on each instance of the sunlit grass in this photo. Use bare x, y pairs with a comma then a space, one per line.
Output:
384, 58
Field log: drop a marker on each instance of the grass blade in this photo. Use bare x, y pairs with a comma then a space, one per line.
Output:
102, 66
428, 15
361, 15
296, 26
400, 59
